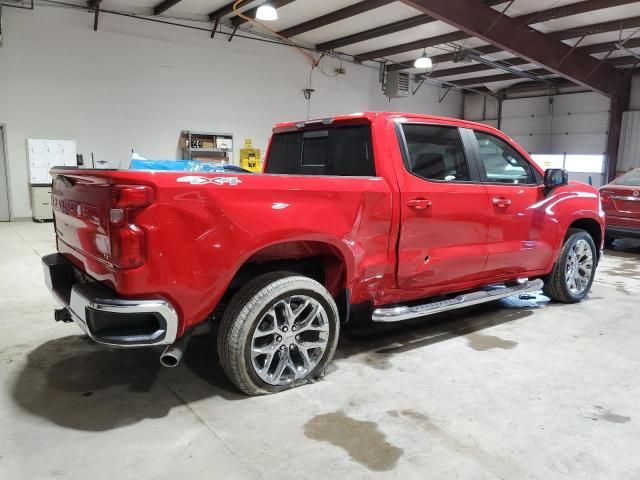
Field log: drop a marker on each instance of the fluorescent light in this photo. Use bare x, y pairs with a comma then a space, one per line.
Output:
266, 12
424, 61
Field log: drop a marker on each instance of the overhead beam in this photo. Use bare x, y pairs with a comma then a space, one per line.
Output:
251, 13
596, 28
382, 30
540, 72
468, 82
164, 6
477, 67
410, 46
515, 61
561, 35
528, 19
394, 27
525, 87
586, 6
332, 17
225, 10
476, 19
608, 46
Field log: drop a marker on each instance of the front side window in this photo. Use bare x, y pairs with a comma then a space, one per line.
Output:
339, 150
435, 152
501, 162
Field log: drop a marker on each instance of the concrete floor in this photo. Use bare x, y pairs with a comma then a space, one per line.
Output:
514, 390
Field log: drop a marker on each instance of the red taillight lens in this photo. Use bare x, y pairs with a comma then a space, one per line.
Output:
131, 196
605, 196
127, 239
127, 246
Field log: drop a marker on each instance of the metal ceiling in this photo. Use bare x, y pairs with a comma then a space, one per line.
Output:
396, 32
474, 44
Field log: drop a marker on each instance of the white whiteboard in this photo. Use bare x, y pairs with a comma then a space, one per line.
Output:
45, 154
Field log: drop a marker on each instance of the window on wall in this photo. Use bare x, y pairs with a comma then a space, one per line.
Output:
501, 162
435, 152
585, 163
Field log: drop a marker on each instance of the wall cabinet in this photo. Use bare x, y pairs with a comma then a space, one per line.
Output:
44, 154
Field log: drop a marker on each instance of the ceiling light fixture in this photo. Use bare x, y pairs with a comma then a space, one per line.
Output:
267, 12
424, 61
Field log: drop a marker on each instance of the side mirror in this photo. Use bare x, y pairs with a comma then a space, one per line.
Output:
555, 177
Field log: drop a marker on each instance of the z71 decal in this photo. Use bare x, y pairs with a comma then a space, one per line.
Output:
197, 180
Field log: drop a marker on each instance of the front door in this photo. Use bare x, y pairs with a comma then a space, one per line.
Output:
523, 225
444, 211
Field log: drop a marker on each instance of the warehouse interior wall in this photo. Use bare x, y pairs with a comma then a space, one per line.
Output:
135, 85
572, 122
634, 100
555, 124
562, 124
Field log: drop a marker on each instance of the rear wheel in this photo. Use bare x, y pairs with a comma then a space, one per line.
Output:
572, 276
278, 332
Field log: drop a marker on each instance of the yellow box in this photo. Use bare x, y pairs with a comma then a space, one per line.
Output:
250, 157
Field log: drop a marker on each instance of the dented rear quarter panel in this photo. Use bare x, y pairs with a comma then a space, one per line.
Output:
199, 234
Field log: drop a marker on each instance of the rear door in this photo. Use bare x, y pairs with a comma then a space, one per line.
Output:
444, 209
523, 229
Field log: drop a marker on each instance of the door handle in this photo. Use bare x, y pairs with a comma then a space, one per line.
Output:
501, 202
419, 203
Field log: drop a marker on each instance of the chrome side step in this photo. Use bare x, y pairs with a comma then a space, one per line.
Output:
400, 313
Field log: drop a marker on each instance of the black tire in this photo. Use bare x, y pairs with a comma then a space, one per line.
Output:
555, 284
243, 315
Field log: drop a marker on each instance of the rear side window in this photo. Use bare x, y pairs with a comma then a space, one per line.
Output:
435, 152
343, 151
630, 179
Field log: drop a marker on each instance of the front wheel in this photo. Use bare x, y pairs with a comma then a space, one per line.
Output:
572, 276
279, 331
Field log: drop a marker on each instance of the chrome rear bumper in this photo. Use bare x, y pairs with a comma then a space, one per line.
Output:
104, 316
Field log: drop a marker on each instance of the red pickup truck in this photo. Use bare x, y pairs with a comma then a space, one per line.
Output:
391, 215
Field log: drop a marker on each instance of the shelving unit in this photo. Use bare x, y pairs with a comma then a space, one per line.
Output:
207, 146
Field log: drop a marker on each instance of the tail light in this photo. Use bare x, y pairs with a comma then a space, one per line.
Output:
605, 196
128, 239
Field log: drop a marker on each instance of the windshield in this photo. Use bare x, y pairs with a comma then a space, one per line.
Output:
629, 179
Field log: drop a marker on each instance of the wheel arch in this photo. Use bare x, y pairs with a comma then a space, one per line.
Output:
328, 262
583, 221
592, 227
301, 256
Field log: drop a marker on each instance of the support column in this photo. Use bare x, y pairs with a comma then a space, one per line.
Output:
619, 104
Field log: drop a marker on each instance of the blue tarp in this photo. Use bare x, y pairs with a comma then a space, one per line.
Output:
182, 166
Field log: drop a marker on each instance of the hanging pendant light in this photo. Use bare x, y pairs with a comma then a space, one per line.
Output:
424, 61
267, 12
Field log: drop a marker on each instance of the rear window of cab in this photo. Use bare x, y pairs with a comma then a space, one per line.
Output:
339, 151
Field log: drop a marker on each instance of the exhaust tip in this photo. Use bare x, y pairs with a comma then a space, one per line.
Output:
169, 360
173, 353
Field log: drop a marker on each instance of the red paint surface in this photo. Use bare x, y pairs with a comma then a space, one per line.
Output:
621, 204
198, 236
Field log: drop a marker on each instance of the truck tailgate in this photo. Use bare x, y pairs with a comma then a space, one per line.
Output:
81, 207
